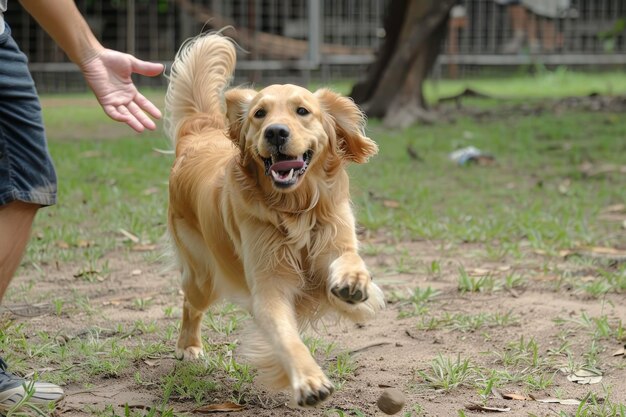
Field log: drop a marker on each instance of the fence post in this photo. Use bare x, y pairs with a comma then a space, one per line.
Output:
315, 33
130, 27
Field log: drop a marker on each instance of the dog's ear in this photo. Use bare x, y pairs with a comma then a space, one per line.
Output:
348, 122
237, 102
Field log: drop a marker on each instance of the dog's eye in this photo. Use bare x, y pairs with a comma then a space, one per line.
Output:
302, 111
259, 114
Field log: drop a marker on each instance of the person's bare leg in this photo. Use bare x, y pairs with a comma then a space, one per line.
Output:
549, 36
518, 16
16, 220
533, 42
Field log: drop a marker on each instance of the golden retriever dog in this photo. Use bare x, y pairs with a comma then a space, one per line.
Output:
260, 212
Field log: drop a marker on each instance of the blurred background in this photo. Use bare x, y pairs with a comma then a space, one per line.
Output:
306, 41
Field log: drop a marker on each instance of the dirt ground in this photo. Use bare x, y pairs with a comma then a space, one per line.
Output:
388, 351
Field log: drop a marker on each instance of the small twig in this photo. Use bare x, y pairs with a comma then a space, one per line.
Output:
352, 352
410, 335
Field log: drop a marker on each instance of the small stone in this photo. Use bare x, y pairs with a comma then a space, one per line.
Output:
391, 401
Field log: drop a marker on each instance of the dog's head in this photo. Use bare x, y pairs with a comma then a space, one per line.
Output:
289, 132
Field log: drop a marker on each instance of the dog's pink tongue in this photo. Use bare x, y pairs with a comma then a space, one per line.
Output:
287, 165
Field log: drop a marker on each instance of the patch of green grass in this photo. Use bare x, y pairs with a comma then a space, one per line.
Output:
601, 327
467, 322
534, 194
415, 302
336, 412
341, 368
467, 283
191, 380
446, 374
521, 352
561, 82
600, 405
104, 186
319, 347
225, 319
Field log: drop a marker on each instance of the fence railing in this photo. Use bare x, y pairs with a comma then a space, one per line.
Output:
282, 39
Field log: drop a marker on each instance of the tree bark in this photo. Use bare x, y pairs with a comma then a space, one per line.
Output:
393, 87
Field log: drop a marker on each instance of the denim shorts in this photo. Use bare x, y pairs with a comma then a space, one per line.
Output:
26, 170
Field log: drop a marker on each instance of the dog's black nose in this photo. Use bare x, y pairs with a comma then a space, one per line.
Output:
277, 134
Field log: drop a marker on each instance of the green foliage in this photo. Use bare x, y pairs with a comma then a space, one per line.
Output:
446, 374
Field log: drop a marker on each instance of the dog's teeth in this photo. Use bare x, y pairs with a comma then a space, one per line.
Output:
275, 175
290, 176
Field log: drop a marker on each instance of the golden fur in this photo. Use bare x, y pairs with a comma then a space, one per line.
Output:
260, 210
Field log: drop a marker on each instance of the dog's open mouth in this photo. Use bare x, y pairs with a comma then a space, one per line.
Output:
285, 170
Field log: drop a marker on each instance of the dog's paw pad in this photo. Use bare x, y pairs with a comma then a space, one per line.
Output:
352, 289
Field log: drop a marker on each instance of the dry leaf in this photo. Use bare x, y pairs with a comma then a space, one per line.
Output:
564, 186
226, 407
605, 250
515, 396
144, 248
152, 363
62, 245
129, 235
480, 407
546, 277
614, 208
585, 376
135, 272
590, 170
596, 252
479, 271
569, 401
620, 352
391, 204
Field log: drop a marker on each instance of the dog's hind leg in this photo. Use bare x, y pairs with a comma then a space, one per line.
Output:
189, 345
196, 302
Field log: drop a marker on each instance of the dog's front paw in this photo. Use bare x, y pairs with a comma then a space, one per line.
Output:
351, 286
312, 390
189, 353
351, 290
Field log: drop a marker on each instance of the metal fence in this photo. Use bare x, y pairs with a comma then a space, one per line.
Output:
325, 39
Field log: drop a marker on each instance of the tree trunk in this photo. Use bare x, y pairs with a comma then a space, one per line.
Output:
393, 88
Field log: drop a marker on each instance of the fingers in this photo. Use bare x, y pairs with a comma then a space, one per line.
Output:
138, 121
147, 106
141, 117
149, 69
134, 112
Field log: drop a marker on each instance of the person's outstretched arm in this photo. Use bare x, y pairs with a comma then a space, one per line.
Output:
107, 72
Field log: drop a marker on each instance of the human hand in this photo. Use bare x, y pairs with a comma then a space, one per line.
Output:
108, 74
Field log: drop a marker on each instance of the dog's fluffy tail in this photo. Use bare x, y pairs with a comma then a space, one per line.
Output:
201, 71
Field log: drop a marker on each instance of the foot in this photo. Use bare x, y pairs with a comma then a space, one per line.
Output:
13, 390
